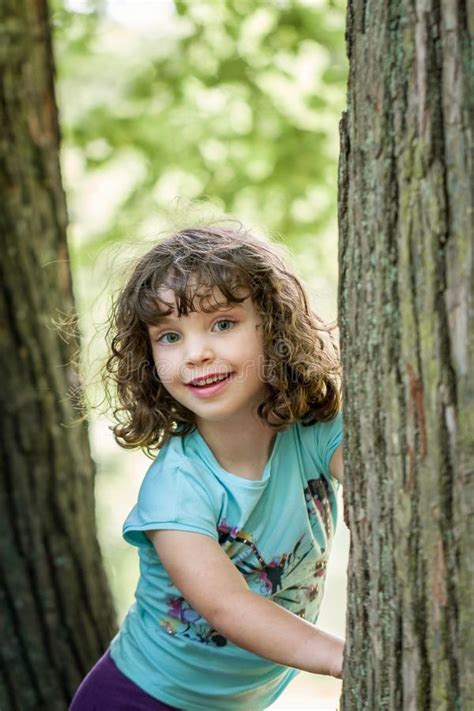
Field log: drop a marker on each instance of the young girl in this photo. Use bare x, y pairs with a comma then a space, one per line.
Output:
220, 364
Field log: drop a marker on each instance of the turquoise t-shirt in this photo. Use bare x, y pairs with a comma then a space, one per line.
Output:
277, 531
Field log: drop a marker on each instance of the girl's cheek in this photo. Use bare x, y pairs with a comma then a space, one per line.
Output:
166, 370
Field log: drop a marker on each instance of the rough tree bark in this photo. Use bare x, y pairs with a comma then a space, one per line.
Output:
406, 312
56, 609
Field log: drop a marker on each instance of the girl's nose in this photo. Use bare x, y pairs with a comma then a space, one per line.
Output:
199, 351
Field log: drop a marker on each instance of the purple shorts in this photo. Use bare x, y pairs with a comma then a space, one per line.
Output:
105, 688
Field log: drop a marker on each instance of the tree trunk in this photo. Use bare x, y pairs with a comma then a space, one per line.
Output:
56, 609
406, 312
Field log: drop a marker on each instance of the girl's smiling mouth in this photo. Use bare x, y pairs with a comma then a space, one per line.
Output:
206, 389
207, 379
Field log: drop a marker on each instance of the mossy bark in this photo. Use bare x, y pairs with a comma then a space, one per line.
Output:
56, 609
406, 317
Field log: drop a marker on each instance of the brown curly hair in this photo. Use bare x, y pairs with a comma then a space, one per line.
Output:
302, 368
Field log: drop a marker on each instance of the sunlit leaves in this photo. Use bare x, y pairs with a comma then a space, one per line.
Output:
231, 100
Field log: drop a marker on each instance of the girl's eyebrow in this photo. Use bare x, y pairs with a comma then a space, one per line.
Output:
171, 318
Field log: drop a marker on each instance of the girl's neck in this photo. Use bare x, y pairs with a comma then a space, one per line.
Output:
240, 448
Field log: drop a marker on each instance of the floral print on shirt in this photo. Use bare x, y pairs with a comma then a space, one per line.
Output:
293, 579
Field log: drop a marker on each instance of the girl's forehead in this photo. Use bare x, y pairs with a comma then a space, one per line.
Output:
205, 300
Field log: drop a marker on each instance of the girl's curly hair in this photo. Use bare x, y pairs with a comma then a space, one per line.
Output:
302, 368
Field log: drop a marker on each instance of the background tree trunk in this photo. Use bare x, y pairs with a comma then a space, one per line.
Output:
406, 310
56, 609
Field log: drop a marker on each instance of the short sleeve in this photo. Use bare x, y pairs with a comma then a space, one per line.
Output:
322, 439
176, 500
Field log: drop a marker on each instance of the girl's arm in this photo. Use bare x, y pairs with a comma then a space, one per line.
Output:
336, 464
212, 585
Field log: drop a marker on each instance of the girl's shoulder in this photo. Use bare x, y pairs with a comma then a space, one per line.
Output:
180, 471
175, 493
320, 440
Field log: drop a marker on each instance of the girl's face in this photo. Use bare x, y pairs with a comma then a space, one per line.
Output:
224, 346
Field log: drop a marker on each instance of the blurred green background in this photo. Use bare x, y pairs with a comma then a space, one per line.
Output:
174, 113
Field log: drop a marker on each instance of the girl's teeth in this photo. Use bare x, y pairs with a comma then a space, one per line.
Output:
208, 381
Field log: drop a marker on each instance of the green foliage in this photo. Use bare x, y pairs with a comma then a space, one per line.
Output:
233, 101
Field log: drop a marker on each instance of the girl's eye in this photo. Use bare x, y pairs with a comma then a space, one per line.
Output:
224, 322
172, 336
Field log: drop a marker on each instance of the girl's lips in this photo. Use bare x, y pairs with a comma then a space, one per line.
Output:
209, 390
